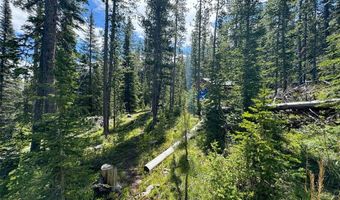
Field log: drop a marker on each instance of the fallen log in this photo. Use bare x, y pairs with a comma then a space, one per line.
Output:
320, 104
161, 157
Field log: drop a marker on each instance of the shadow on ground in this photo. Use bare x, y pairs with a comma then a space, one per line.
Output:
133, 153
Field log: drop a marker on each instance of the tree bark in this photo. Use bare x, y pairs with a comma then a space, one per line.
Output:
173, 78
45, 87
314, 44
284, 11
215, 70
106, 106
90, 63
198, 81
304, 45
300, 76
156, 84
112, 67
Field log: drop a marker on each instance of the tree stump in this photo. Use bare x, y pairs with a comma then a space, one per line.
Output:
109, 173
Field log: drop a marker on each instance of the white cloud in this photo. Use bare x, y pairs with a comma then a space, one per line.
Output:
100, 6
19, 18
189, 20
81, 33
140, 11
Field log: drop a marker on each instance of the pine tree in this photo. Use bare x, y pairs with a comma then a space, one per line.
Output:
45, 76
309, 47
106, 94
90, 80
112, 79
330, 63
262, 144
179, 28
247, 32
130, 96
8, 61
215, 120
215, 72
59, 154
145, 74
299, 31
156, 26
198, 69
278, 43
9, 94
200, 52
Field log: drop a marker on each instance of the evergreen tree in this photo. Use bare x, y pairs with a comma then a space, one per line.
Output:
130, 93
277, 54
58, 156
179, 28
106, 93
330, 63
45, 76
263, 145
156, 25
246, 33
90, 80
146, 72
113, 62
200, 52
8, 59
9, 94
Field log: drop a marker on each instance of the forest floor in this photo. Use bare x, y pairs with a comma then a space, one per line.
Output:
131, 145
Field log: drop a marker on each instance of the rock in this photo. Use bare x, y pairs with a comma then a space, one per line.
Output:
149, 189
129, 115
98, 147
166, 171
118, 188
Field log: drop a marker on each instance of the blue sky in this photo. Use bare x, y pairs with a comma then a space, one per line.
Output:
97, 6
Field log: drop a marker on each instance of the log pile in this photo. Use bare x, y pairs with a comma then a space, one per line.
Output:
304, 92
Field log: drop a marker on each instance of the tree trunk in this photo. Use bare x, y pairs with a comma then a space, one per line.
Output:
106, 105
277, 61
326, 18
156, 84
283, 43
215, 70
112, 62
314, 44
2, 71
45, 84
173, 78
90, 64
300, 77
304, 46
198, 81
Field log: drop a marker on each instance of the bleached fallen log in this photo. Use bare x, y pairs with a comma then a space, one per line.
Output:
161, 157
321, 104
